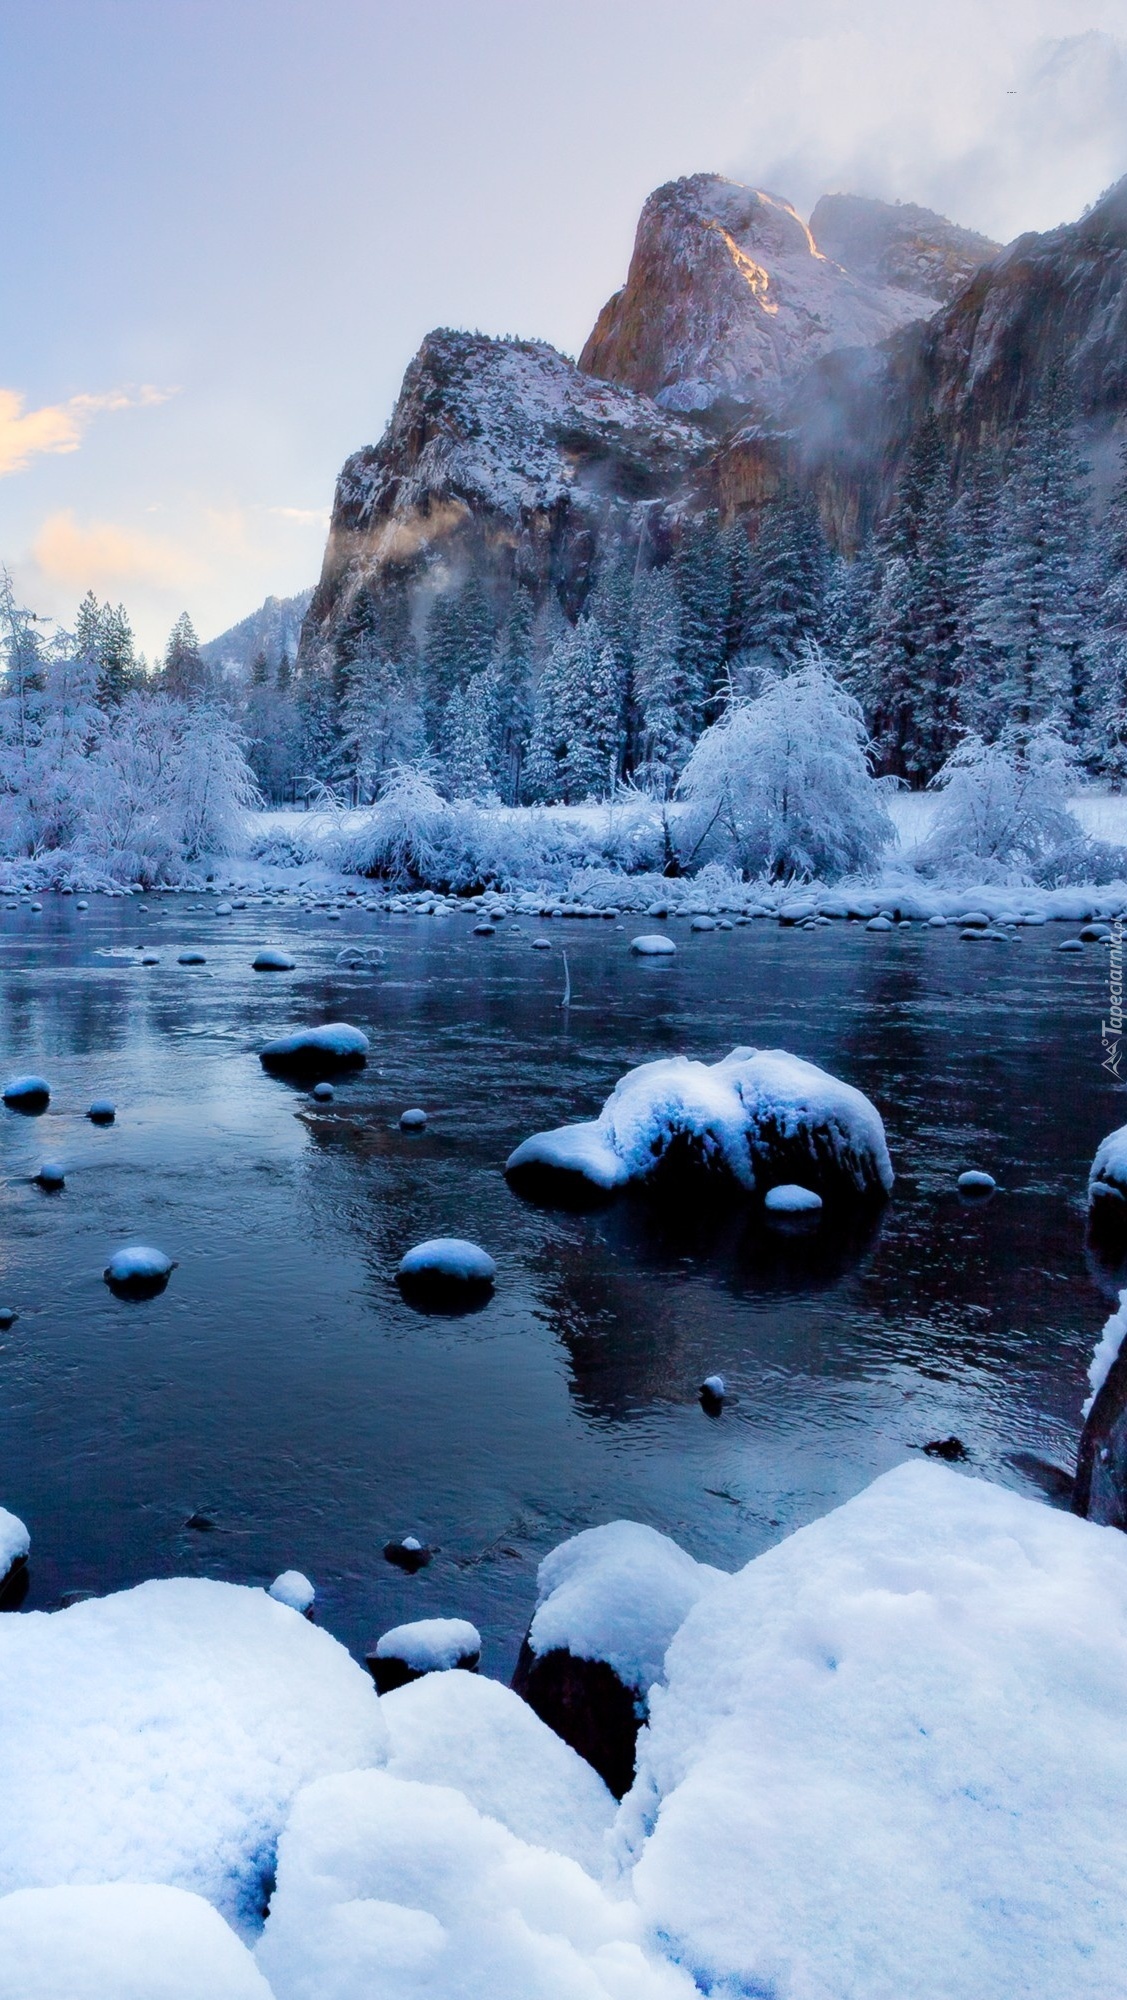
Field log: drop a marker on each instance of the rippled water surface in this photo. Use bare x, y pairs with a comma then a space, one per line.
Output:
283, 1389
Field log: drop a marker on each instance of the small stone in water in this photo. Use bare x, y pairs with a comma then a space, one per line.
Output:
51, 1175
8, 1317
712, 1393
952, 1449
324, 1093
202, 1523
975, 1182
102, 1111
294, 1589
412, 1121
191, 958
790, 1199
408, 1553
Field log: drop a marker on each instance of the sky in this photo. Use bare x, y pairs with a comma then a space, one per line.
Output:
227, 224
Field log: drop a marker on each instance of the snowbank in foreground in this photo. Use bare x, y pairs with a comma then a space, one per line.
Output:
463, 1730
159, 1735
121, 1941
397, 1889
761, 1114
892, 1757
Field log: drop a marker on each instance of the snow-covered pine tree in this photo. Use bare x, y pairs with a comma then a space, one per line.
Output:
458, 643
790, 573
611, 605
513, 667
701, 576
664, 705
184, 673
912, 656
380, 722
741, 588
1035, 591
977, 529
576, 747
1109, 642
470, 740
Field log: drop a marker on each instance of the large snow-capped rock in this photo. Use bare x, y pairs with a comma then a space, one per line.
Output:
499, 455
891, 1757
728, 295
898, 243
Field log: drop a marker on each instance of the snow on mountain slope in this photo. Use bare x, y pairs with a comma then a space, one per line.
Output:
728, 294
899, 243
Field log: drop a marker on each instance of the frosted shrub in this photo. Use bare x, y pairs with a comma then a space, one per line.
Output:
405, 839
781, 784
1003, 806
165, 784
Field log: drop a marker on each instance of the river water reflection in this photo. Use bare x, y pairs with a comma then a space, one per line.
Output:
283, 1389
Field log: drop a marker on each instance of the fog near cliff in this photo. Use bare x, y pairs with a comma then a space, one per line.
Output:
1005, 119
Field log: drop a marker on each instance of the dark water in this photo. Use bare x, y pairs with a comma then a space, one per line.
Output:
283, 1388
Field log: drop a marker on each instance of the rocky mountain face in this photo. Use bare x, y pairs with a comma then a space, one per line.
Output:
503, 459
900, 245
273, 631
745, 356
729, 296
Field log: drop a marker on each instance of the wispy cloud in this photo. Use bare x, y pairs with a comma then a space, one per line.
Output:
305, 517
59, 427
102, 556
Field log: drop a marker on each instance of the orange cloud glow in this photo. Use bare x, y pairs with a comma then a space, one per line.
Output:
58, 427
104, 557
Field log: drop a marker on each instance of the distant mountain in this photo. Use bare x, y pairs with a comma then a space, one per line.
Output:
274, 629
896, 243
729, 294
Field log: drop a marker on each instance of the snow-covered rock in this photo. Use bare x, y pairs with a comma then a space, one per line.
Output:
52, 1175
102, 1111
27, 1093
294, 1589
608, 1602
727, 295
652, 945
424, 1646
446, 1265
121, 1941
15, 1544
755, 1114
413, 1120
159, 1735
191, 958
398, 1889
1100, 1492
138, 1270
790, 1199
336, 1045
270, 959
975, 1182
891, 1756
1107, 1181
464, 1730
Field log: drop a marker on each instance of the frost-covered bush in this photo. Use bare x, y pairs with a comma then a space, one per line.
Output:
164, 784
405, 839
1004, 808
781, 786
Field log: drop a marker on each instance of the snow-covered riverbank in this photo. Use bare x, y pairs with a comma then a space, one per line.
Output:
888, 1755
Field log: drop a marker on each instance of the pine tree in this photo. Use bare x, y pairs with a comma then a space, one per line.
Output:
458, 644
701, 575
184, 673
664, 704
790, 574
577, 737
513, 669
1109, 640
470, 748
119, 670
260, 669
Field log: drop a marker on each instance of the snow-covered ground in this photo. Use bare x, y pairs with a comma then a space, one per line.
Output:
889, 1756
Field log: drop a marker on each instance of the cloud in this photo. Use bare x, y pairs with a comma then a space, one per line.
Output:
1008, 118
105, 557
59, 427
305, 517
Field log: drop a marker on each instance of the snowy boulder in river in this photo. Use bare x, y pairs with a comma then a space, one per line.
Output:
294, 1589
655, 946
446, 1271
121, 1941
270, 960
413, 1120
425, 1646
608, 1603
138, 1271
52, 1176
1100, 1491
790, 1199
15, 1545
757, 1115
29, 1094
103, 1111
191, 958
317, 1051
1107, 1183
161, 1734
